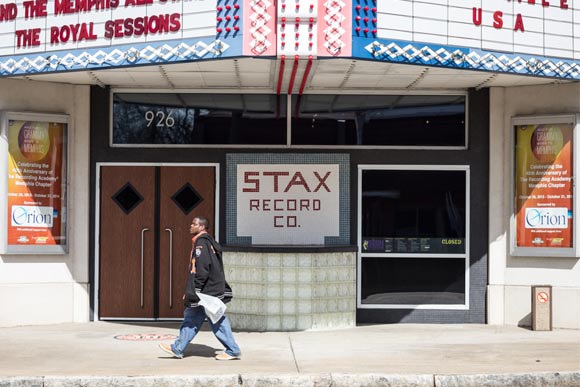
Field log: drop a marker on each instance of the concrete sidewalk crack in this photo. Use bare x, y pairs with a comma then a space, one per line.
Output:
293, 354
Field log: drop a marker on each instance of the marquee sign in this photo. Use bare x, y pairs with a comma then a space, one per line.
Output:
534, 27
59, 35
50, 25
532, 37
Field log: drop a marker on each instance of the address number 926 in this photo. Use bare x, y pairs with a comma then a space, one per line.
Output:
159, 119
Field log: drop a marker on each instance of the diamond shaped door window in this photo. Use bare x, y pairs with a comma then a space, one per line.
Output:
128, 198
187, 198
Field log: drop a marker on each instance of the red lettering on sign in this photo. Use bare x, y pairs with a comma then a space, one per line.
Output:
137, 2
297, 179
74, 6
276, 223
519, 25
74, 32
322, 181
34, 8
276, 175
248, 180
155, 24
276, 207
291, 221
8, 12
497, 19
284, 204
27, 38
253, 183
477, 15
266, 205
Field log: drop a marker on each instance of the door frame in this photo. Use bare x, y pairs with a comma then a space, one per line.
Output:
216, 166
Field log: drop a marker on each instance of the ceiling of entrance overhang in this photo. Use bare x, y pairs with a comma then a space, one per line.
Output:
269, 76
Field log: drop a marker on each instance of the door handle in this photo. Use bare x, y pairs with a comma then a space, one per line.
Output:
142, 260
170, 266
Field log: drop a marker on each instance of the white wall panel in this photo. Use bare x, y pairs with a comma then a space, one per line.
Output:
401, 23
431, 27
25, 278
534, 49
464, 31
34, 304
554, 12
431, 38
511, 277
497, 40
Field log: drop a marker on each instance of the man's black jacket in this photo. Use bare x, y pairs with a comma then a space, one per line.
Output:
208, 275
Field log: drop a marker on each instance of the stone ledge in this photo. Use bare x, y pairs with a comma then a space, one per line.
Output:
231, 380
540, 379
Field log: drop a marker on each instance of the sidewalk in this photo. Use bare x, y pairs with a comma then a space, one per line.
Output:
378, 355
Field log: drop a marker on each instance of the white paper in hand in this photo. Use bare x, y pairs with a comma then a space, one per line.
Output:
213, 306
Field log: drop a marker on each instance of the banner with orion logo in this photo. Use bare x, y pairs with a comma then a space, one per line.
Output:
544, 191
36, 184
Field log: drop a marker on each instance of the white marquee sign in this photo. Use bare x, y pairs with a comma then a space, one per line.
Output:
33, 26
534, 27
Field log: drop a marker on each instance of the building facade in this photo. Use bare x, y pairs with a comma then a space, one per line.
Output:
360, 161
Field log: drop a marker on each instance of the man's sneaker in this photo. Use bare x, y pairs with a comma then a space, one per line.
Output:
167, 348
225, 356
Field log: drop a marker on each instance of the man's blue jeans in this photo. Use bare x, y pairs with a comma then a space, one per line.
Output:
193, 319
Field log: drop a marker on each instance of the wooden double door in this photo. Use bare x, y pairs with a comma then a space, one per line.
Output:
144, 239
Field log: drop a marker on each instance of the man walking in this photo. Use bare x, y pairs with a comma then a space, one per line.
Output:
206, 276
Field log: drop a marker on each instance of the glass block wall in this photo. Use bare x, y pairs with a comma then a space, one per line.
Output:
291, 291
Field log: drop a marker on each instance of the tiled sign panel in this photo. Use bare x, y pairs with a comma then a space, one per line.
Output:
287, 199
535, 27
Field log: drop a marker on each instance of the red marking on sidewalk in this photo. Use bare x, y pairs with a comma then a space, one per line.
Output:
145, 337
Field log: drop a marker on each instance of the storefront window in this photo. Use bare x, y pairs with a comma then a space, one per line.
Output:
416, 281
384, 120
413, 235
317, 120
181, 119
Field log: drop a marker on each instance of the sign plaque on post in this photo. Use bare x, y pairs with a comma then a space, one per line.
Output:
542, 308
33, 181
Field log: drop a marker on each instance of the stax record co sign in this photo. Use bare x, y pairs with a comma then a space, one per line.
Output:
288, 203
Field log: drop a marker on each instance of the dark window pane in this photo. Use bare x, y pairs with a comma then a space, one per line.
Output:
187, 198
173, 118
413, 281
395, 120
127, 198
411, 211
